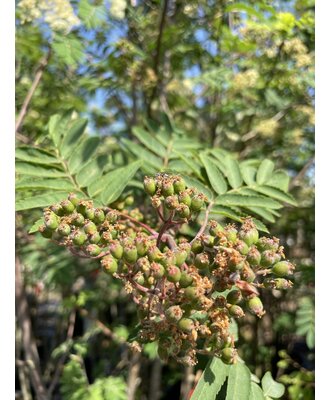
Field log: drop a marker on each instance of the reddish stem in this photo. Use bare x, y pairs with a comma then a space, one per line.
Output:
146, 227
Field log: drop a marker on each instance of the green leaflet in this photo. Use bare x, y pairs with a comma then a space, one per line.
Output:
91, 15
42, 184
92, 171
226, 212
36, 225
231, 199
25, 168
83, 153
112, 184
68, 49
142, 153
233, 172
215, 176
192, 164
248, 174
262, 212
42, 200
35, 155
265, 171
260, 225
276, 193
149, 141
198, 185
280, 179
256, 392
72, 137
305, 321
211, 381
270, 387
239, 382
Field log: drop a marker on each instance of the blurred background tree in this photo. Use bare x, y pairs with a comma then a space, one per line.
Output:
235, 76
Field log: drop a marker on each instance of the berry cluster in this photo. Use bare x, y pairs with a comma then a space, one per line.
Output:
186, 292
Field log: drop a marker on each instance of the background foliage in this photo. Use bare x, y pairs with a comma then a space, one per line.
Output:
219, 91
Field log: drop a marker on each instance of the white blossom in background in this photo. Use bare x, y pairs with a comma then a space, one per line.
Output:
58, 14
117, 8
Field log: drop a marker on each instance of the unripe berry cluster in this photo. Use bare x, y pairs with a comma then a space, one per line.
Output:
171, 192
186, 292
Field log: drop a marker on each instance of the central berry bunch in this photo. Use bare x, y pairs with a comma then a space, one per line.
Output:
186, 292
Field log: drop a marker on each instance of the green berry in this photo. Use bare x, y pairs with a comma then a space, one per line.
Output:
247, 274
180, 257
109, 264
57, 209
94, 238
174, 313
278, 283
235, 261
208, 240
183, 211
67, 206
242, 247
117, 250
139, 278
197, 246
64, 229
179, 184
234, 296
171, 202
236, 311
130, 254
191, 293
197, 202
185, 280
154, 254
265, 243
231, 233
184, 198
157, 269
215, 228
202, 261
186, 325
93, 250
228, 355
78, 219
149, 185
167, 188
90, 228
99, 216
255, 306
253, 257
173, 273
74, 199
90, 213
249, 236
141, 246
129, 200
269, 257
282, 268
112, 216
79, 238
51, 221
46, 232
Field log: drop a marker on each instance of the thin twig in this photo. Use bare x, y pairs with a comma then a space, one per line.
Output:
28, 98
28, 341
146, 227
58, 370
301, 173
203, 227
157, 55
